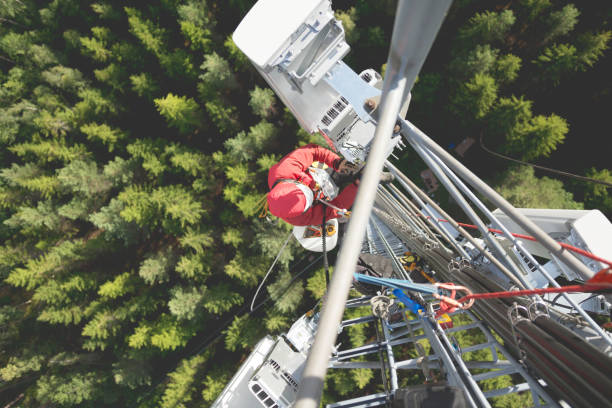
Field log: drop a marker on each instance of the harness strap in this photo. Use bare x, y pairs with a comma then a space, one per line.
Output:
293, 181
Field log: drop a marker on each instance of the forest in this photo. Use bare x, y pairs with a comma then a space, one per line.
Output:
135, 140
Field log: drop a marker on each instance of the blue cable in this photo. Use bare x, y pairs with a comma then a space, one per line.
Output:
396, 283
409, 303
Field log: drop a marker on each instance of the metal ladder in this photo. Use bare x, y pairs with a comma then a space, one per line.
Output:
443, 359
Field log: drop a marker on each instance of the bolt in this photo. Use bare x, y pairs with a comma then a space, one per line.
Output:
370, 104
396, 128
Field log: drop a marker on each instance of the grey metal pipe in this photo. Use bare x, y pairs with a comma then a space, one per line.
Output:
412, 132
469, 211
311, 386
452, 222
415, 27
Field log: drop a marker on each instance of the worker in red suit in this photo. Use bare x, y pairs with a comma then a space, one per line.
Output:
292, 195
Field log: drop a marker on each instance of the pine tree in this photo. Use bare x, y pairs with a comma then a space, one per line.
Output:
181, 112
221, 298
95, 48
539, 138
144, 85
239, 60
114, 76
150, 36
480, 60
262, 101
590, 47
42, 56
523, 190
184, 303
105, 11
93, 105
132, 372
83, 177
217, 75
233, 237
181, 388
223, 115
557, 61
316, 284
151, 153
286, 295
562, 22
531, 9
119, 286
486, 27
64, 78
214, 384
18, 366
509, 117
69, 390
156, 267
474, 98
506, 68
597, 196
109, 220
103, 133
242, 333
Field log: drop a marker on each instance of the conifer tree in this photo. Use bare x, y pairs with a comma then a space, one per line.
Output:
155, 268
486, 27
262, 101
597, 196
474, 98
557, 61
181, 112
590, 47
144, 85
562, 22
181, 388
523, 190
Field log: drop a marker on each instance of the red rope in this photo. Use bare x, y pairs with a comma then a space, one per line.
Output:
601, 281
541, 291
530, 238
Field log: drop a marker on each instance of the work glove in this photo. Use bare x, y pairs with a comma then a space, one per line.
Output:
346, 167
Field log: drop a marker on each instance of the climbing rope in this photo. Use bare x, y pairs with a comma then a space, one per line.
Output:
602, 281
323, 238
262, 206
270, 270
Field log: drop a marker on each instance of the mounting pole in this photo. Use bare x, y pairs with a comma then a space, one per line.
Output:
416, 25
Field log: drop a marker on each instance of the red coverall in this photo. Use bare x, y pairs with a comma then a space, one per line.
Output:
294, 166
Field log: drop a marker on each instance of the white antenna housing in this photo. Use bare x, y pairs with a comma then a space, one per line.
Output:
298, 46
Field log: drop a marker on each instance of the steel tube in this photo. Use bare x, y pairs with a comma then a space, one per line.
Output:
469, 211
412, 132
452, 222
415, 27
311, 386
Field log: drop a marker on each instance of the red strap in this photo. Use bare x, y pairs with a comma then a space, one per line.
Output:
589, 287
448, 304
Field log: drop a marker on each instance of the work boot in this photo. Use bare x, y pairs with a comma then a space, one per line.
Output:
386, 177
